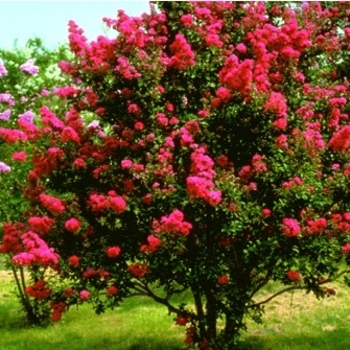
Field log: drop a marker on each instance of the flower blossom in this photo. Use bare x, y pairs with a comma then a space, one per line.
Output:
84, 295
74, 261
41, 224
112, 290
54, 205
153, 244
291, 227
27, 116
38, 290
20, 156
3, 70
113, 252
8, 99
29, 67
36, 252
138, 270
294, 276
72, 225
4, 168
5, 115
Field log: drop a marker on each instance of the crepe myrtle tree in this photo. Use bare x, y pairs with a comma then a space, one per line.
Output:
28, 76
217, 161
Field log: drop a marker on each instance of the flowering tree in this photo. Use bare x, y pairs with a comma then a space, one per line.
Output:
205, 149
27, 76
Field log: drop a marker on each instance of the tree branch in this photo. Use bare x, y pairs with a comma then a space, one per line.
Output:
145, 290
296, 288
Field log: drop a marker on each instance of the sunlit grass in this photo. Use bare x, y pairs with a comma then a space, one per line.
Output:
298, 320
292, 322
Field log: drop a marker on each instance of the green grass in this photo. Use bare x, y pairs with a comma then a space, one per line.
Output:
292, 322
300, 321
137, 325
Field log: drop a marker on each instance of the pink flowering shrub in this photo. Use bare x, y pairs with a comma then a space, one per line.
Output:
25, 84
217, 159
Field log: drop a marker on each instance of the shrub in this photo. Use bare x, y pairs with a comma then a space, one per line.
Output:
205, 149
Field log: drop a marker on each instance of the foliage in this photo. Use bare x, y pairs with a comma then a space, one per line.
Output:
205, 148
27, 76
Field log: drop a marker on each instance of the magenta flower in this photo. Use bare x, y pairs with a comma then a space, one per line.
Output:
84, 295
29, 67
291, 227
19, 156
72, 225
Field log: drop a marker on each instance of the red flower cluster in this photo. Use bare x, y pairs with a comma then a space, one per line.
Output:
113, 252
237, 76
183, 54
112, 290
11, 241
53, 204
152, 246
223, 280
317, 226
41, 224
294, 276
138, 270
74, 261
38, 290
99, 273
57, 310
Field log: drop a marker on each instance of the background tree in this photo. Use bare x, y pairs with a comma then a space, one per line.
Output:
28, 77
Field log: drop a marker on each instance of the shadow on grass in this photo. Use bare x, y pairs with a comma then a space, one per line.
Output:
321, 340
94, 343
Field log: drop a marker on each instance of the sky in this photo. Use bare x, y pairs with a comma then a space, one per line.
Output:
48, 20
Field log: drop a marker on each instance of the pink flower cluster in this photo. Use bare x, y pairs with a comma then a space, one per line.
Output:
340, 140
100, 202
52, 204
200, 184
3, 70
153, 244
277, 105
237, 76
12, 135
291, 227
29, 67
183, 55
35, 251
174, 223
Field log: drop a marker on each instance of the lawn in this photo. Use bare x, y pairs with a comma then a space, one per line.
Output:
292, 321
